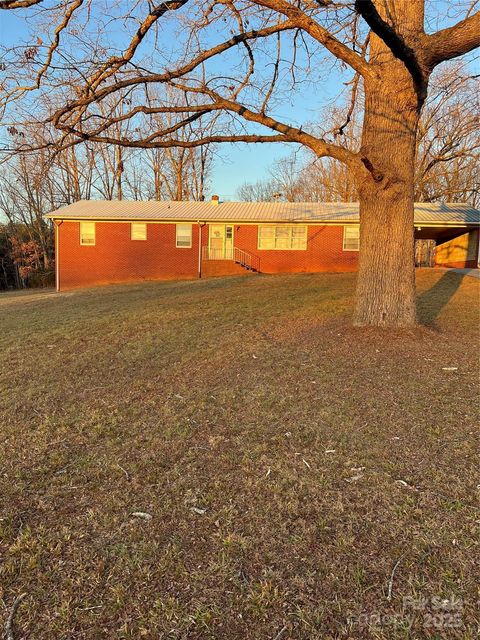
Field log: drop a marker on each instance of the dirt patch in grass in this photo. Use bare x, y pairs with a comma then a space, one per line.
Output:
288, 461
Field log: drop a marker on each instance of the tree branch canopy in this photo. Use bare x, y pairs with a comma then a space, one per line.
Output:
217, 88
168, 76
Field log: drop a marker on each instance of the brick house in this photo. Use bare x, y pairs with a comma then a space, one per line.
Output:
100, 242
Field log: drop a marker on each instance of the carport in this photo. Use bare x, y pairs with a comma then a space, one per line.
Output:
448, 238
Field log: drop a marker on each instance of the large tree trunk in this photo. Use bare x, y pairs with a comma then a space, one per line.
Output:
386, 276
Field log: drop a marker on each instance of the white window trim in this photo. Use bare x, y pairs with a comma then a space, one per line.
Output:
344, 234
183, 246
144, 224
88, 244
290, 226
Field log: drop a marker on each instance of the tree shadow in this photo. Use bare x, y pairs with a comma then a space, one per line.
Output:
432, 301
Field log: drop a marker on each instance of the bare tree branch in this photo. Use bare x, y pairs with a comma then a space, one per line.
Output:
339, 131
9, 635
114, 63
58, 30
320, 34
168, 76
454, 41
18, 4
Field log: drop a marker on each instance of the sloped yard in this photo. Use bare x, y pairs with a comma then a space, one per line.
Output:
293, 478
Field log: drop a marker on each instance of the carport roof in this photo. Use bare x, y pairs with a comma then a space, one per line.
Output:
428, 214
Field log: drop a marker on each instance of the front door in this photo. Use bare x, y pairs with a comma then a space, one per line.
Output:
221, 242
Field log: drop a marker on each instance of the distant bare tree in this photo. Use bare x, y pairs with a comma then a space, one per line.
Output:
321, 180
180, 173
304, 178
448, 140
260, 191
24, 198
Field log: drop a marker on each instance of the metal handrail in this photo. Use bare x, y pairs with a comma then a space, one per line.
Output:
246, 259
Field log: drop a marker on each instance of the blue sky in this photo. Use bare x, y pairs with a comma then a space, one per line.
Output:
239, 163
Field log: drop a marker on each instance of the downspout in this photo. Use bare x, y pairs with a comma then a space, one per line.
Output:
200, 248
57, 255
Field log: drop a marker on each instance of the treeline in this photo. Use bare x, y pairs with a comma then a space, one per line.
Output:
36, 183
23, 261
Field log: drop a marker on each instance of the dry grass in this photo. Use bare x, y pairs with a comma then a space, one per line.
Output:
235, 412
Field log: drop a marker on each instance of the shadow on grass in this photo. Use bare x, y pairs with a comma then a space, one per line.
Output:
432, 301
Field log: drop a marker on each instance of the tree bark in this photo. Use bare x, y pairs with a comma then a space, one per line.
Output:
386, 276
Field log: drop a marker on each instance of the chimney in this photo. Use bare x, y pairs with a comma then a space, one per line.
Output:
215, 200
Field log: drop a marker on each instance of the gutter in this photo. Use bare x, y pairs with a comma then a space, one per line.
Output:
340, 222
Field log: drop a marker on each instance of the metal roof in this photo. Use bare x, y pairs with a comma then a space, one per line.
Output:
323, 212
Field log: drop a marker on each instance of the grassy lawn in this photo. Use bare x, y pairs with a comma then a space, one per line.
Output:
288, 462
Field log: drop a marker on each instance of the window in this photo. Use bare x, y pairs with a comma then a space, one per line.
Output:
351, 237
138, 231
184, 236
87, 233
282, 237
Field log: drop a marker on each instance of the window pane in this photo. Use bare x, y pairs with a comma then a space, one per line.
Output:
266, 237
299, 237
139, 231
352, 232
267, 232
298, 243
282, 237
87, 233
351, 238
298, 232
184, 235
282, 232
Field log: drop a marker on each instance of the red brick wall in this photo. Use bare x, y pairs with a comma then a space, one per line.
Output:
211, 268
324, 251
117, 258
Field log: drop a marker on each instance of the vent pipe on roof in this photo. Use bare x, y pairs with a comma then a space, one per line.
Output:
215, 200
